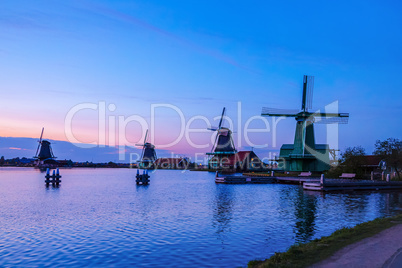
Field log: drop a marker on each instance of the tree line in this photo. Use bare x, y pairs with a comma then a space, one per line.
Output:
354, 160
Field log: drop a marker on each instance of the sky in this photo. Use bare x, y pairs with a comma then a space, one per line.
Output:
100, 73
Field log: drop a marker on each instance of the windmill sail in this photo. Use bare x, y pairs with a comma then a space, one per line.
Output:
304, 154
44, 149
268, 111
39, 142
308, 86
148, 154
223, 145
331, 118
44, 154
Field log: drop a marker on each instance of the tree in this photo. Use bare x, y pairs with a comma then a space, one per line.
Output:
111, 164
353, 160
353, 153
2, 161
390, 151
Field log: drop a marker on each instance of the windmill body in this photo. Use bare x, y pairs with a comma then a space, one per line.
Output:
223, 147
44, 153
148, 155
304, 154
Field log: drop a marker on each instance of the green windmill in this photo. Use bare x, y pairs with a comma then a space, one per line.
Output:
304, 154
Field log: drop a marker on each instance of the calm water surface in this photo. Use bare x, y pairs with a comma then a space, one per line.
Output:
99, 217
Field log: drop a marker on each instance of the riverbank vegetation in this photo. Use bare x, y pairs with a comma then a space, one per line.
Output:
304, 255
388, 158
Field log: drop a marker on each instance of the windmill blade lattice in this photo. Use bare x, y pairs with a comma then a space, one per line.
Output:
308, 84
278, 112
331, 120
310, 88
40, 142
146, 134
223, 114
214, 145
218, 128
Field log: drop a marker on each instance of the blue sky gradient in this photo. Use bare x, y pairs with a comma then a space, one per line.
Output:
199, 56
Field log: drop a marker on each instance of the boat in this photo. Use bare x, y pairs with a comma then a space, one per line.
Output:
241, 179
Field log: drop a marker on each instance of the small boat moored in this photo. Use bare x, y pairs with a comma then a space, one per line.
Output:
233, 179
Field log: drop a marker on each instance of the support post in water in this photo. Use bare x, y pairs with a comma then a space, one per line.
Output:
142, 179
54, 179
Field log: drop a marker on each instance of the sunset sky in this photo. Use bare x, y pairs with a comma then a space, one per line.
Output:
65, 61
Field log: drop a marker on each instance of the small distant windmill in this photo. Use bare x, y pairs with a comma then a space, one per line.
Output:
304, 154
148, 154
44, 149
223, 146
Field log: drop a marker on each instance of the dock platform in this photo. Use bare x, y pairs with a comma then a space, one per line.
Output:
351, 185
312, 183
232, 179
264, 179
296, 180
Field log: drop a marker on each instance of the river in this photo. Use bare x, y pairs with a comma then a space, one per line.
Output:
100, 217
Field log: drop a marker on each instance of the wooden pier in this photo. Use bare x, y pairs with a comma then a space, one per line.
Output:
54, 179
142, 179
232, 179
351, 185
312, 183
296, 180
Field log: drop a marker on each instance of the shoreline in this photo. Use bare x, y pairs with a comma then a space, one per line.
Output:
362, 245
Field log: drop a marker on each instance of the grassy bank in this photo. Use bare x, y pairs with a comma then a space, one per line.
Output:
304, 255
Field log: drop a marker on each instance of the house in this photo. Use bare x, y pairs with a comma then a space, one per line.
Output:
375, 163
242, 161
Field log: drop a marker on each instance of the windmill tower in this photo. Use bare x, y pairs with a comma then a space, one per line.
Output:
223, 146
45, 151
304, 154
148, 154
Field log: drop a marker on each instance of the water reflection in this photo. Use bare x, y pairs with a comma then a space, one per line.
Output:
52, 186
222, 213
305, 212
303, 206
356, 205
389, 203
100, 217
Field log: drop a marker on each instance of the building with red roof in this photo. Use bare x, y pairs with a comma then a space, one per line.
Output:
241, 161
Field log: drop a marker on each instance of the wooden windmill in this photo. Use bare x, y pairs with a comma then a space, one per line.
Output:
223, 146
44, 151
148, 154
304, 154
